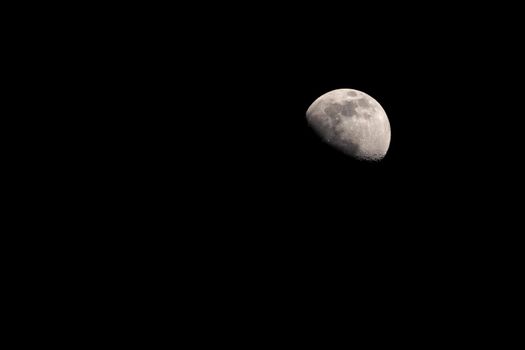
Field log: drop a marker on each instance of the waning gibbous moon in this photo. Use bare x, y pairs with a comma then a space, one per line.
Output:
352, 122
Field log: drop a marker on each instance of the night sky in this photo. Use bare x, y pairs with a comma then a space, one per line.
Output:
201, 128
183, 139
226, 115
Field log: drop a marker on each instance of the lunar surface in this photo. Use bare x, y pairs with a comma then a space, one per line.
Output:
352, 122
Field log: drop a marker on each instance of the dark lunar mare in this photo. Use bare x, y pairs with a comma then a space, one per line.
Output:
349, 109
363, 102
333, 109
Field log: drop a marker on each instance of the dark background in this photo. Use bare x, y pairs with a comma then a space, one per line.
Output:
257, 200
173, 151
205, 120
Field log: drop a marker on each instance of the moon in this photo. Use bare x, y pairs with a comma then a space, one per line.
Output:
352, 122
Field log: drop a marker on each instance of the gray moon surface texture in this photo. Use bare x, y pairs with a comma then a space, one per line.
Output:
352, 122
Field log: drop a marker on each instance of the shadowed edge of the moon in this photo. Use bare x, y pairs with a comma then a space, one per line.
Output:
347, 147
330, 136
352, 149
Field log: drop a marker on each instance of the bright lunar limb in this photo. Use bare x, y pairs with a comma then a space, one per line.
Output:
352, 122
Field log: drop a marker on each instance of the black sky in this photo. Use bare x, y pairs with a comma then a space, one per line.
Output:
182, 149
227, 104
215, 130
169, 155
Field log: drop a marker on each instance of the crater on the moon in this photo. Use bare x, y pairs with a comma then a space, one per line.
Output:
352, 93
